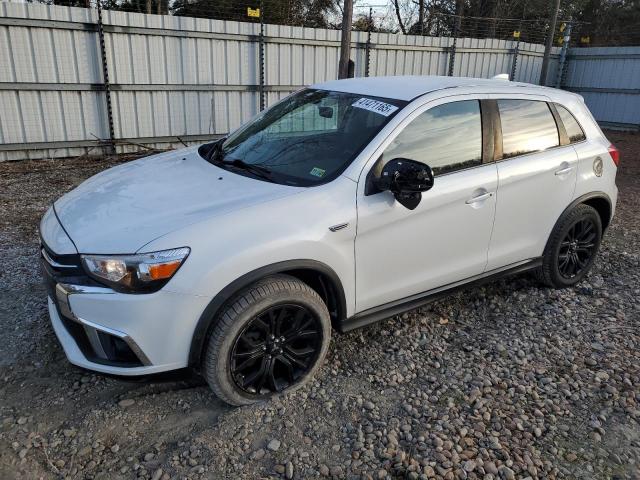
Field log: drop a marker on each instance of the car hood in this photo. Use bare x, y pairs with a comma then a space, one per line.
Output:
122, 209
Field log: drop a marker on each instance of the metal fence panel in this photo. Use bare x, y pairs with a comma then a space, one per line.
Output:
609, 80
191, 78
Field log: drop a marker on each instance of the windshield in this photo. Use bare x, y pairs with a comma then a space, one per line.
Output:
306, 139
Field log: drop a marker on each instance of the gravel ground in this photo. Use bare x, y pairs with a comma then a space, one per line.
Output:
505, 381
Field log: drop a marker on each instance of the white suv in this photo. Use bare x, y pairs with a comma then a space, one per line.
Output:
345, 203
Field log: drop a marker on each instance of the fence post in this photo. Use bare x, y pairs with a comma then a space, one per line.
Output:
261, 55
105, 79
516, 49
566, 39
452, 49
367, 51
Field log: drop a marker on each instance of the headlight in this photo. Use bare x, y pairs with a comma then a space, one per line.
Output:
143, 273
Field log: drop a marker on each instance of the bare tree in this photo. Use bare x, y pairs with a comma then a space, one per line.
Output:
400, 22
421, 17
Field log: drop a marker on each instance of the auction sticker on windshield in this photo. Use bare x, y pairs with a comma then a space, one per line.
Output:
376, 106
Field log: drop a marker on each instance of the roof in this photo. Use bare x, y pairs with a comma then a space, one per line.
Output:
408, 87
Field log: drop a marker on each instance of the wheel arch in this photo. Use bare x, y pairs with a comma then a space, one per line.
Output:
600, 201
319, 276
602, 205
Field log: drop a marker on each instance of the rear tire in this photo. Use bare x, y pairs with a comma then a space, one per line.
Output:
572, 248
270, 338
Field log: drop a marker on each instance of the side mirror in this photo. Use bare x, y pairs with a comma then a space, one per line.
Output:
406, 179
325, 112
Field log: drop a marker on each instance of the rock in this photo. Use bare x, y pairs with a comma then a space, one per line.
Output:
157, 475
491, 468
274, 445
258, 454
280, 469
506, 473
469, 466
324, 470
22, 420
115, 448
336, 471
84, 451
288, 472
149, 456
127, 402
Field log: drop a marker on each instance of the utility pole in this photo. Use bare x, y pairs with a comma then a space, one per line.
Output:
345, 41
549, 44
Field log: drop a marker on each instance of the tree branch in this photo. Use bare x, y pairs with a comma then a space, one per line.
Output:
397, 5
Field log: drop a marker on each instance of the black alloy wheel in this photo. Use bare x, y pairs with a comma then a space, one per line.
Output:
572, 247
269, 339
275, 349
577, 248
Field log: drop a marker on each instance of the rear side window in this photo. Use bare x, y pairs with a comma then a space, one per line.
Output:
447, 138
571, 125
527, 126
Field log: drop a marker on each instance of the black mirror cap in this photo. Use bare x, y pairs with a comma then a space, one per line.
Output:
325, 112
406, 179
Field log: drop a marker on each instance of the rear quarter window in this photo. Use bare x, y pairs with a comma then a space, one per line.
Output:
571, 125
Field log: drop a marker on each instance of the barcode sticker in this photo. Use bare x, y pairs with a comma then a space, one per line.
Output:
382, 108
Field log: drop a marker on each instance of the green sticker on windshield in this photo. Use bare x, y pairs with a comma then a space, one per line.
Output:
317, 172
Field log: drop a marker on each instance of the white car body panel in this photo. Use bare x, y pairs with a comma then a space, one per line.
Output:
248, 239
57, 238
235, 225
125, 207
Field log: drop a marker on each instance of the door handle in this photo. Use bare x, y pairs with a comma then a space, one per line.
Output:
564, 170
479, 198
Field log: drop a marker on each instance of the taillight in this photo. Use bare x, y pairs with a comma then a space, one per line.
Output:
615, 154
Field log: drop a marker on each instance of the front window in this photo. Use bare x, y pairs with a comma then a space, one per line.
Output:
307, 139
447, 138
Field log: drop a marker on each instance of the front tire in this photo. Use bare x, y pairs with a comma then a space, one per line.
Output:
572, 247
270, 338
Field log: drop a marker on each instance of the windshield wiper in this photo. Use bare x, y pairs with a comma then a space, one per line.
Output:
215, 154
256, 170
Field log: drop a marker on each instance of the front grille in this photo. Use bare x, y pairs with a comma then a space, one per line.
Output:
98, 346
62, 269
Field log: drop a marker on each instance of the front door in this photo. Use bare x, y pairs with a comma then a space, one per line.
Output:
401, 252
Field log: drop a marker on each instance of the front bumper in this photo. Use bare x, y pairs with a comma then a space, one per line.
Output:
116, 333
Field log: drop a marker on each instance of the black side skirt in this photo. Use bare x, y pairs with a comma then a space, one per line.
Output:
399, 306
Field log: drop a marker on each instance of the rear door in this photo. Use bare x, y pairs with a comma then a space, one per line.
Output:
536, 179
